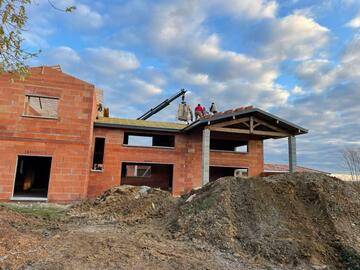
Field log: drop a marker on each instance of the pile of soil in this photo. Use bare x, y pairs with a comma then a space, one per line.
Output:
128, 204
290, 221
295, 220
19, 239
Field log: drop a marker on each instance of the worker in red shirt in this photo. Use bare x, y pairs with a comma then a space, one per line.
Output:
199, 111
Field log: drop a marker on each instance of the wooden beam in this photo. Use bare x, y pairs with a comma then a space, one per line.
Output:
232, 122
251, 124
271, 126
246, 131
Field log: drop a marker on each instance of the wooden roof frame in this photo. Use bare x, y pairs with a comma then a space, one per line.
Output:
252, 123
249, 121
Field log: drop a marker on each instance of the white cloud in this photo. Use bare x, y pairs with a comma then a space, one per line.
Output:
110, 62
182, 75
254, 9
295, 37
297, 91
84, 17
145, 88
355, 22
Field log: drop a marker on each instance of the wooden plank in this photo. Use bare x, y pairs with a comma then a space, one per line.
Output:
232, 122
251, 124
270, 126
246, 131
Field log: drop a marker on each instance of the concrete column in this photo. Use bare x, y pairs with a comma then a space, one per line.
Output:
205, 156
292, 153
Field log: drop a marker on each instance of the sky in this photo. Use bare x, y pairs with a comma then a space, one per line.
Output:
298, 59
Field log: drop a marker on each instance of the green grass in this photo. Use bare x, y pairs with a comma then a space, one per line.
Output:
350, 258
41, 211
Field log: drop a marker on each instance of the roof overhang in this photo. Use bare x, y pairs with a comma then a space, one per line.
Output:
251, 121
134, 127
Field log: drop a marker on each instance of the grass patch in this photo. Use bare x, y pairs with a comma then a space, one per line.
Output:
37, 210
350, 258
200, 205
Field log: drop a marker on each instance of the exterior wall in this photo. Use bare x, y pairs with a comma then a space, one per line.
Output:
186, 149
185, 158
253, 160
66, 139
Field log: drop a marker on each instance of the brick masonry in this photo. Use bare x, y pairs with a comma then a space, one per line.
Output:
66, 139
69, 140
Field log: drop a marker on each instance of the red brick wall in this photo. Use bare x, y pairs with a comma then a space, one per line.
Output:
253, 160
67, 139
186, 158
116, 153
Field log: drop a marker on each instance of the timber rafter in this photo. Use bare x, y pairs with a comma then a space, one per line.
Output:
250, 125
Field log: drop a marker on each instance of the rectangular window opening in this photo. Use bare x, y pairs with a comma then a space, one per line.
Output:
229, 145
149, 140
217, 172
138, 170
146, 174
39, 106
98, 154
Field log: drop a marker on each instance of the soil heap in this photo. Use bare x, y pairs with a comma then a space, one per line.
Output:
295, 220
128, 204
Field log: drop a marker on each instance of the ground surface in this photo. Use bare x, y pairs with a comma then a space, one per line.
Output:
300, 221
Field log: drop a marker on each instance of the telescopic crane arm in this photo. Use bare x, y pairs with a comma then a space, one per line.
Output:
162, 105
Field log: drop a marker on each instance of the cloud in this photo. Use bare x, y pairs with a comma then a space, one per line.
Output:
84, 16
254, 9
110, 62
182, 75
355, 22
292, 37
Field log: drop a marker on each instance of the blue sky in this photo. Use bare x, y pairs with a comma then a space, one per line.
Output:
297, 59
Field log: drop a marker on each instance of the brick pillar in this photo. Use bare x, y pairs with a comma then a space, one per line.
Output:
292, 153
205, 156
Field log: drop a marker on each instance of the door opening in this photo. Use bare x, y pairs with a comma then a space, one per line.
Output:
32, 177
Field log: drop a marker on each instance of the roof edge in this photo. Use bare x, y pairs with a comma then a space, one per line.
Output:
112, 125
245, 111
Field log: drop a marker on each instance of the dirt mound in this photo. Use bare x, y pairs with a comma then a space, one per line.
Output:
18, 241
296, 220
130, 204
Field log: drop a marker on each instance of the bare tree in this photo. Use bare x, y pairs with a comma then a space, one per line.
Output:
351, 157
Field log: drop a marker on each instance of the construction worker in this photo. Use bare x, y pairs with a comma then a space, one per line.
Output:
199, 111
205, 112
213, 108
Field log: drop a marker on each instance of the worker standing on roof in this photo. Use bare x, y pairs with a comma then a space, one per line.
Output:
199, 111
205, 112
213, 108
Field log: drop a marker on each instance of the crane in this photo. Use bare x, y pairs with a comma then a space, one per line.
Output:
162, 105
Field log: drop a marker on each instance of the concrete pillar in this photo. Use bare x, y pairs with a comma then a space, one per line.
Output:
205, 156
292, 153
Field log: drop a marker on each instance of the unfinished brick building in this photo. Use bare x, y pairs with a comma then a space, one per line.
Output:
54, 147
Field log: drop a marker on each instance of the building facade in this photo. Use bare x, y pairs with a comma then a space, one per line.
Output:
55, 147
